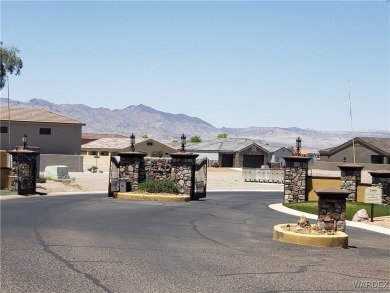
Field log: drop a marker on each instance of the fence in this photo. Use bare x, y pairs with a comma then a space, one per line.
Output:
263, 175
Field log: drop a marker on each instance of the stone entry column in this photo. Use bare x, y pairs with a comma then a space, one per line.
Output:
132, 168
183, 171
24, 171
332, 209
295, 177
381, 179
351, 175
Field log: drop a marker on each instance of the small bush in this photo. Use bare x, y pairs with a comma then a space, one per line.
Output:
158, 186
92, 169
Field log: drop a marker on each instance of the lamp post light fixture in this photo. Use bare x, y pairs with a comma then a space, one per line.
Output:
298, 145
24, 139
132, 142
183, 143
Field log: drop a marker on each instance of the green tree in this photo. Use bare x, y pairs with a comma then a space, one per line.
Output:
222, 135
145, 136
9, 63
195, 138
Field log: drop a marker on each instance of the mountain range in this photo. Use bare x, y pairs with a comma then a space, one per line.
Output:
143, 120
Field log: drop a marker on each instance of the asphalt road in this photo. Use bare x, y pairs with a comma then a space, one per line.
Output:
90, 243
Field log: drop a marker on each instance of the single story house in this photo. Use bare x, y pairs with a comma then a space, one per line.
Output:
107, 146
233, 152
375, 150
47, 132
89, 137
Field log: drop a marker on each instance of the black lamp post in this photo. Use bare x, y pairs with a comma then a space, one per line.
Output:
132, 141
298, 145
183, 143
24, 139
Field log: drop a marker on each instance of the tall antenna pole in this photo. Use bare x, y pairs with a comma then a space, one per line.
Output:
9, 117
350, 115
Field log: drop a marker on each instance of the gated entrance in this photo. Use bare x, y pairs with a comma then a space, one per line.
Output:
199, 179
113, 177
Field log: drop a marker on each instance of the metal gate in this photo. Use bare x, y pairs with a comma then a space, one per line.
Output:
199, 183
113, 179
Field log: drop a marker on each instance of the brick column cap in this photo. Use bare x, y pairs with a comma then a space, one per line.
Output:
351, 167
184, 155
297, 158
23, 151
132, 154
333, 192
380, 173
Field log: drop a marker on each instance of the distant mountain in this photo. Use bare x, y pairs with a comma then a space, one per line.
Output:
163, 126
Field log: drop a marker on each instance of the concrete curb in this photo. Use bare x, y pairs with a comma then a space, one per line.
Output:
281, 208
152, 197
339, 240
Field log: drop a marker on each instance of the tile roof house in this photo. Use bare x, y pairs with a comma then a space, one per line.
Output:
89, 137
107, 146
234, 152
374, 150
50, 132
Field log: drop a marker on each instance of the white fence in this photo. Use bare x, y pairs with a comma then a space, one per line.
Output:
263, 175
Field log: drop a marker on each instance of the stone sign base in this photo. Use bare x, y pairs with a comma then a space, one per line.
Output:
339, 239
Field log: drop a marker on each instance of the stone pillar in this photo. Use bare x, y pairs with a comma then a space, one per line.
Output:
183, 172
24, 171
351, 175
295, 177
381, 179
132, 167
332, 209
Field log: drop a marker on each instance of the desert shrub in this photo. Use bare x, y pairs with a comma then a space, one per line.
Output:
158, 186
92, 169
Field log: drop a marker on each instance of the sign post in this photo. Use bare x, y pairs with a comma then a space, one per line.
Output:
373, 195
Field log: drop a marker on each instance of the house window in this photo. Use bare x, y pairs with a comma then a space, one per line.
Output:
4, 129
149, 143
45, 131
377, 159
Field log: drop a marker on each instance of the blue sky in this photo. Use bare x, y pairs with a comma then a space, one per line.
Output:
232, 64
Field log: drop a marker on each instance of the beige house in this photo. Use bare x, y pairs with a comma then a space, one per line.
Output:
49, 132
111, 146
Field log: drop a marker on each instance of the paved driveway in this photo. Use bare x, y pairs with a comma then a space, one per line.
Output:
90, 243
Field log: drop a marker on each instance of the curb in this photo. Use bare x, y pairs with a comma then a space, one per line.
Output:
152, 197
339, 240
281, 208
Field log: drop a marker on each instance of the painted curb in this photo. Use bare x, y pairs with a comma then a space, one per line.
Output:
339, 240
152, 197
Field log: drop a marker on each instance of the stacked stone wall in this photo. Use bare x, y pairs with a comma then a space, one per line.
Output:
349, 183
181, 173
137, 169
132, 169
331, 214
295, 184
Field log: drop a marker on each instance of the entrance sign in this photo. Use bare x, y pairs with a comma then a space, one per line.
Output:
373, 195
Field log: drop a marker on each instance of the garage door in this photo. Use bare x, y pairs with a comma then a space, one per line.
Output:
253, 161
227, 160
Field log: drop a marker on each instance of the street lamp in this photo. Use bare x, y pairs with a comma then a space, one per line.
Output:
132, 142
183, 143
24, 139
298, 145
